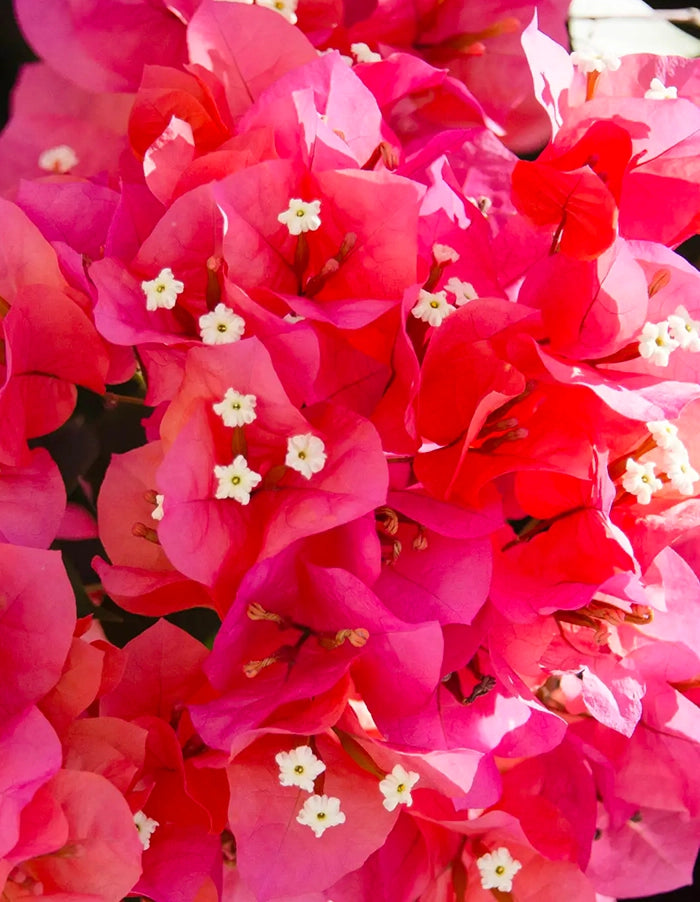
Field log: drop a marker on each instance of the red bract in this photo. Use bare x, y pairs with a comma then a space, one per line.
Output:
208, 538
59, 132
36, 624
141, 577
77, 39
98, 856
224, 38
263, 817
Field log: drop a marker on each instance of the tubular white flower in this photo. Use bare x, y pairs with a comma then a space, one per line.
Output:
432, 307
146, 827
163, 290
286, 8
59, 159
299, 767
236, 409
665, 434
639, 480
364, 54
236, 480
443, 253
306, 454
590, 61
497, 869
684, 329
680, 471
321, 812
301, 216
463, 291
656, 344
157, 512
659, 91
396, 787
221, 327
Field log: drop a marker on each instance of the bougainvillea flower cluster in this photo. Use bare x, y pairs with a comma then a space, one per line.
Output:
295, 345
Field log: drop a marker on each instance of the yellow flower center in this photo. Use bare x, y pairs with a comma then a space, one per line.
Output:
500, 870
235, 480
221, 327
300, 213
299, 769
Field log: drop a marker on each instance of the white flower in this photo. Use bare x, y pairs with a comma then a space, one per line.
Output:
287, 8
590, 61
300, 767
320, 813
301, 216
163, 290
665, 434
293, 318
146, 827
236, 480
236, 409
59, 159
432, 307
396, 787
497, 870
463, 291
305, 454
221, 327
656, 344
443, 253
659, 91
684, 329
639, 480
680, 471
363, 54
157, 512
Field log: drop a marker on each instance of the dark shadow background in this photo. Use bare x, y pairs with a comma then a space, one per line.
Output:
14, 52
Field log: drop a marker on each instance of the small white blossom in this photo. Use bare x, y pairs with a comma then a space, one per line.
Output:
236, 409
301, 216
157, 512
163, 290
680, 471
306, 454
320, 813
684, 329
300, 767
146, 827
236, 480
59, 159
396, 787
443, 253
590, 61
659, 91
497, 870
463, 291
221, 327
639, 480
293, 318
665, 434
432, 307
363, 53
656, 344
287, 8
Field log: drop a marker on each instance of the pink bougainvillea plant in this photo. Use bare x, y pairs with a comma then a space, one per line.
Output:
349, 452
